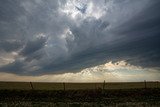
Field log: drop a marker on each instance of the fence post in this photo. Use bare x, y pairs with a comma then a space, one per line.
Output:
31, 85
104, 85
64, 88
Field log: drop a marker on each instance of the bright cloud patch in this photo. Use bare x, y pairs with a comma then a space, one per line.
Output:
83, 9
110, 72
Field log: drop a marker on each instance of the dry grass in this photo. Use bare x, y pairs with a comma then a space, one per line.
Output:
75, 86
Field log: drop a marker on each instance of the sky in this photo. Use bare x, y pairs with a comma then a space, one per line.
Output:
79, 40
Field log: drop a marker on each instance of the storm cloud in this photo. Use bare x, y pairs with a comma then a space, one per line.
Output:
43, 37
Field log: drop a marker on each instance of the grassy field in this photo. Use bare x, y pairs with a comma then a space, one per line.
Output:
61, 94
76, 86
107, 97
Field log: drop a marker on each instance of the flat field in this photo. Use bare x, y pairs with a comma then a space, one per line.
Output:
136, 94
76, 86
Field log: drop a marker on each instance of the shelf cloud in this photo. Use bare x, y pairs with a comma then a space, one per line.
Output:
64, 37
110, 72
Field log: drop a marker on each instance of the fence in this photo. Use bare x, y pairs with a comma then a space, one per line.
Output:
77, 86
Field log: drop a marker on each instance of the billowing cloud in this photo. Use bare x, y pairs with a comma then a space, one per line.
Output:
33, 46
44, 37
110, 72
10, 45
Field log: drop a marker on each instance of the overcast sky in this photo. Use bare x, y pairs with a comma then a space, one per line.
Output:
43, 37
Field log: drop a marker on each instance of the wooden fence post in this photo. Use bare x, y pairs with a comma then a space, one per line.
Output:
104, 85
31, 86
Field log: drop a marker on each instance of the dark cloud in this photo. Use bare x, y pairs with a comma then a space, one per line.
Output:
54, 36
15, 67
136, 41
33, 46
10, 45
82, 7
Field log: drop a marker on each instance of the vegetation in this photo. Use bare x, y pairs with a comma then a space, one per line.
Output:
94, 93
76, 86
